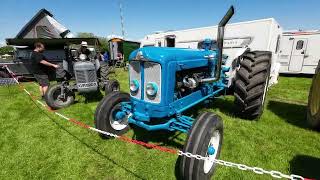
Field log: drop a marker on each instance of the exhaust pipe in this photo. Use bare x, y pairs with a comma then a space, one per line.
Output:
220, 36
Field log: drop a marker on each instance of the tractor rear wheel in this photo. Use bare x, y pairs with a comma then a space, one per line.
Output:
251, 84
111, 86
56, 100
205, 139
313, 110
109, 116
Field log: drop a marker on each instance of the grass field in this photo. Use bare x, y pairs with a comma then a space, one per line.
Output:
36, 144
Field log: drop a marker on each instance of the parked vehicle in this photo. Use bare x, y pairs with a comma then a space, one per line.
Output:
313, 110
299, 52
85, 70
56, 52
166, 82
257, 35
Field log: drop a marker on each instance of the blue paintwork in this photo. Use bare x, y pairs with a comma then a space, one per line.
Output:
167, 115
211, 150
120, 115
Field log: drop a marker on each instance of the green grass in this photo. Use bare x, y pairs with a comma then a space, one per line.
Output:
35, 144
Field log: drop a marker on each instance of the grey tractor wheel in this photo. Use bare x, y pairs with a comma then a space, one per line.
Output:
313, 110
109, 117
112, 86
54, 99
251, 84
4, 74
207, 131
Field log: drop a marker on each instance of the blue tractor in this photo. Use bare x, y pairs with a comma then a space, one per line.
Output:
167, 82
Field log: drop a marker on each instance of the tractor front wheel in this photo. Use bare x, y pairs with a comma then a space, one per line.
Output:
56, 100
251, 84
109, 116
313, 110
112, 86
3, 74
205, 139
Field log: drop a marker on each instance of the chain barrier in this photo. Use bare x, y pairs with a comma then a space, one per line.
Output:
256, 170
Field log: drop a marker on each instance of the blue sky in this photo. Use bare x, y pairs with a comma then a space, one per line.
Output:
142, 17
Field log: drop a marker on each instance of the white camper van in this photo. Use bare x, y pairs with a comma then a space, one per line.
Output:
299, 52
258, 35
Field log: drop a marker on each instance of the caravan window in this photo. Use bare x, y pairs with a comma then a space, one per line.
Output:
299, 45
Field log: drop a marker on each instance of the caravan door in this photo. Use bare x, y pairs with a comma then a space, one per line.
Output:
297, 55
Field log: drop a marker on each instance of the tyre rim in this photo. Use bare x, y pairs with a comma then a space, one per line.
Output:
315, 96
214, 142
115, 88
116, 122
265, 90
58, 99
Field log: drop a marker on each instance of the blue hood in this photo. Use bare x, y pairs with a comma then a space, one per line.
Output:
163, 55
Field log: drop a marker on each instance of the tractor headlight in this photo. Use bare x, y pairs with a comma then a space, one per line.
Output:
83, 57
134, 86
151, 89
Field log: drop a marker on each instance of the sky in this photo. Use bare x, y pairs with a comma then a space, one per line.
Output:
142, 17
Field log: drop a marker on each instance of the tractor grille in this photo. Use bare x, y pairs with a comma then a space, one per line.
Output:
152, 73
86, 76
81, 77
92, 76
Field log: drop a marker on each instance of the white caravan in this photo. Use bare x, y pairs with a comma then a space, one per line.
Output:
258, 35
299, 52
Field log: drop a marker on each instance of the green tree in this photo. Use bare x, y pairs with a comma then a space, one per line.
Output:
85, 35
103, 41
6, 50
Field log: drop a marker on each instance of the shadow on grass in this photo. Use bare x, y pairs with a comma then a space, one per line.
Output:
89, 146
294, 114
224, 105
306, 166
165, 138
95, 96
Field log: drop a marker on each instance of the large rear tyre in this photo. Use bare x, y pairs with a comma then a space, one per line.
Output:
251, 85
313, 110
109, 116
56, 100
112, 86
206, 133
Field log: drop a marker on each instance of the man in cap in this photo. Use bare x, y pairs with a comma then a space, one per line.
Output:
84, 48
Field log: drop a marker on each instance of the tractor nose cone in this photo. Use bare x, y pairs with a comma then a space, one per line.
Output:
211, 150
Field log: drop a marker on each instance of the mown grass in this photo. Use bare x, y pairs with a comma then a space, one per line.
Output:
35, 144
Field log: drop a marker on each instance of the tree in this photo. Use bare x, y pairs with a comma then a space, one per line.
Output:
6, 50
85, 35
103, 41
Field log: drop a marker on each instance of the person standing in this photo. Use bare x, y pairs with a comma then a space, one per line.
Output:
39, 65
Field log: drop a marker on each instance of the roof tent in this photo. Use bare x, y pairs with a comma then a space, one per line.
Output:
43, 25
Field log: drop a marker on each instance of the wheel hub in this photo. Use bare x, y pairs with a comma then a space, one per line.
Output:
212, 151
119, 119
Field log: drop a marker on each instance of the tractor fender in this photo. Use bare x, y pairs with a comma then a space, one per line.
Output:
234, 63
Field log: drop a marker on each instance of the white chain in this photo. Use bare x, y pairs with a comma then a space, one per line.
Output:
257, 170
